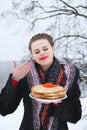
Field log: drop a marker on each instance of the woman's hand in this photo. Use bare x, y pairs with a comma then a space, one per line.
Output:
20, 72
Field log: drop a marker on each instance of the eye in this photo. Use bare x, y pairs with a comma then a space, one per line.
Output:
45, 49
36, 52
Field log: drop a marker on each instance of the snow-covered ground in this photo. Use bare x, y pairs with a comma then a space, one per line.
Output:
12, 121
82, 124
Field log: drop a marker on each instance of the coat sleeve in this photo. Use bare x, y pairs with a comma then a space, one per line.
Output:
70, 109
10, 97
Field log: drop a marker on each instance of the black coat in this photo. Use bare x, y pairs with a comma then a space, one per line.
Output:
67, 111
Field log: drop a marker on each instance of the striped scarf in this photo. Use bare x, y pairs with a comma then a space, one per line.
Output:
59, 73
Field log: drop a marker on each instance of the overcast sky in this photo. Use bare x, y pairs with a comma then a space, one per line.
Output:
12, 41
12, 44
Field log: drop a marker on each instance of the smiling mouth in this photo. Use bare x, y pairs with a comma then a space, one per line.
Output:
43, 58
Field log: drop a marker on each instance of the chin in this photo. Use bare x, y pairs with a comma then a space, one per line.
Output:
45, 64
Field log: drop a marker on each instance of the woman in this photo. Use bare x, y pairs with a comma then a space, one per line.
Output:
43, 67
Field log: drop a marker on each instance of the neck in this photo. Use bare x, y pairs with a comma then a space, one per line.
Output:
46, 67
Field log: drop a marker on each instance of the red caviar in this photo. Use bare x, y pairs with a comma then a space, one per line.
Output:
48, 85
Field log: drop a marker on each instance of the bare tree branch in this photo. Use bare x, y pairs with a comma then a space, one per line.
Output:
67, 36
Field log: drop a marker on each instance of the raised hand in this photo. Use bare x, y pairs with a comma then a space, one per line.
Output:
20, 72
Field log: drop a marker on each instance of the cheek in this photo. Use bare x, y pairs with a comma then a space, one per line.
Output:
34, 57
51, 53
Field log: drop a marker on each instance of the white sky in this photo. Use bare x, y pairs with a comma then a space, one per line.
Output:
12, 41
12, 45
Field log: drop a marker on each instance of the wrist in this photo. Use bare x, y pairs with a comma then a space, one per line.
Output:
14, 82
15, 78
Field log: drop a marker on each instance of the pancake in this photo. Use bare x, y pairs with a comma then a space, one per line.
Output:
55, 92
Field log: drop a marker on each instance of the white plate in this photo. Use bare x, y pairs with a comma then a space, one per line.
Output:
47, 100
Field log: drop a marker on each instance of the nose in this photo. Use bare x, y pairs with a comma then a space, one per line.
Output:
41, 52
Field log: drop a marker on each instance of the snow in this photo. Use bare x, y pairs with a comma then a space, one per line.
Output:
16, 44
13, 121
82, 124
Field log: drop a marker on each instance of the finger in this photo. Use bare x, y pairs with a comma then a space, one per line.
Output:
26, 66
60, 101
14, 64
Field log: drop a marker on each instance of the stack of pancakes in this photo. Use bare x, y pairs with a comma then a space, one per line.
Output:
44, 92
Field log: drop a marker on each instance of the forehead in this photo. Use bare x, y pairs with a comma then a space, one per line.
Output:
40, 43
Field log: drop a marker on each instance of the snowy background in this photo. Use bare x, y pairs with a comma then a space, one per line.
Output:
14, 38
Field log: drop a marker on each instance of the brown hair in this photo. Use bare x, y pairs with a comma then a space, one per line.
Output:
40, 36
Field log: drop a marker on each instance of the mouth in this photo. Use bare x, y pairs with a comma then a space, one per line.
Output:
43, 58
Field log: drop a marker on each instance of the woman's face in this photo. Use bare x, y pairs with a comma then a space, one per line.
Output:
42, 53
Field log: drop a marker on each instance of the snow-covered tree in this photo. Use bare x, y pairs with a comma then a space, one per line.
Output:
65, 20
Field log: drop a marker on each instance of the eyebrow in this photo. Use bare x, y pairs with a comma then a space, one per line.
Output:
35, 50
45, 46
38, 49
